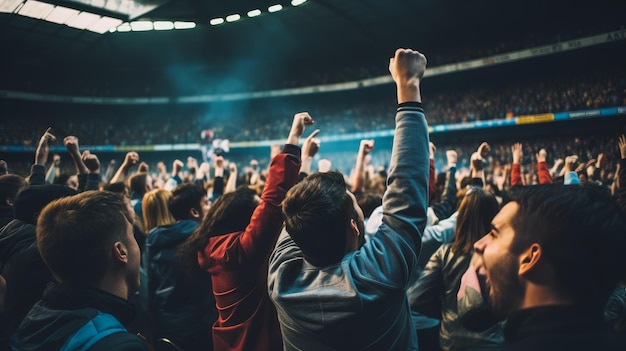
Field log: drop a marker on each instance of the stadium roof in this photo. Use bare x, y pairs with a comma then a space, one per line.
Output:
316, 31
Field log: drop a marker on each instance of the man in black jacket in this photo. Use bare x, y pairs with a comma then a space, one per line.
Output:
182, 309
554, 255
87, 242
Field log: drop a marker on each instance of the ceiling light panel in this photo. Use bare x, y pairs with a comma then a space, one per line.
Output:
184, 25
83, 20
8, 6
297, 2
163, 25
35, 9
233, 18
254, 13
275, 8
104, 24
216, 21
140, 26
125, 27
61, 14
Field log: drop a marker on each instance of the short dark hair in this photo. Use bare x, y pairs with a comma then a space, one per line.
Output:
317, 214
137, 182
184, 198
368, 201
10, 186
75, 234
582, 232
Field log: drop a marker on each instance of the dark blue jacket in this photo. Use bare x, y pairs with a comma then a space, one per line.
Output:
64, 310
182, 310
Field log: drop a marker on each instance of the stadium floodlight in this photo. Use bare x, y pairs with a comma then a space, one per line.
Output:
233, 18
104, 24
61, 14
8, 6
82, 20
297, 2
35, 9
216, 21
184, 25
275, 8
163, 25
254, 13
124, 27
141, 26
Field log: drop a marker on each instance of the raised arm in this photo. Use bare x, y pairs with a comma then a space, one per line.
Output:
365, 148
92, 164
310, 147
516, 172
130, 160
542, 168
447, 206
478, 164
267, 219
54, 170
38, 170
71, 144
405, 201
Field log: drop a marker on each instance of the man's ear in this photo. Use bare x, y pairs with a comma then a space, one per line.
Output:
120, 252
354, 228
530, 259
194, 213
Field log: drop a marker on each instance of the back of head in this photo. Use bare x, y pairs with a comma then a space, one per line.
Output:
317, 214
10, 186
117, 187
75, 235
30, 201
184, 198
154, 209
582, 233
138, 182
476, 211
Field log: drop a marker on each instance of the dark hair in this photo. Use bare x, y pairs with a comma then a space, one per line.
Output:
230, 213
137, 182
317, 214
369, 201
75, 234
61, 179
10, 186
184, 198
473, 221
582, 233
117, 187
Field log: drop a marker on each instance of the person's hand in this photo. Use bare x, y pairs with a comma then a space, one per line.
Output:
622, 146
131, 159
300, 120
177, 166
431, 150
41, 154
484, 149
541, 155
517, 152
452, 157
570, 163
205, 167
71, 144
218, 162
143, 167
161, 167
366, 147
477, 162
311, 145
192, 163
558, 162
91, 161
407, 67
232, 167
601, 160
585, 165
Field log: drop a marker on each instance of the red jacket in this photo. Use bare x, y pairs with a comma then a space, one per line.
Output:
238, 266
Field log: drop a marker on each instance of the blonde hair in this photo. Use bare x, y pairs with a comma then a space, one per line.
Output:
154, 209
